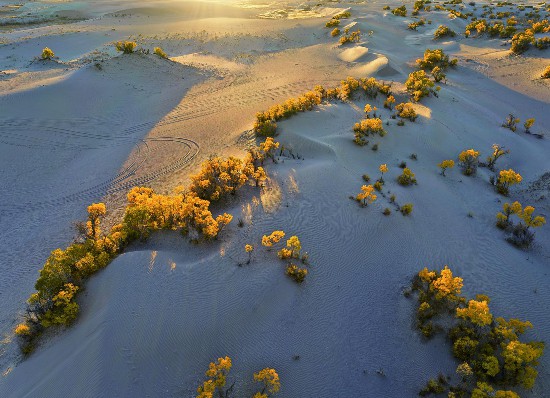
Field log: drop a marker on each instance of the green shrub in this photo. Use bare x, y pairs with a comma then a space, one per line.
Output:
400, 11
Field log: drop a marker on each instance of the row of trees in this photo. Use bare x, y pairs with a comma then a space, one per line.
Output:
488, 348
187, 210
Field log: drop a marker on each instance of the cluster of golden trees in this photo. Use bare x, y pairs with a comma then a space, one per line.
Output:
489, 348
188, 210
290, 253
218, 372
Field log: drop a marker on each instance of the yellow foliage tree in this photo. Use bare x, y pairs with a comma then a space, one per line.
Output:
446, 286
367, 195
273, 238
506, 179
477, 312
469, 161
446, 164
270, 378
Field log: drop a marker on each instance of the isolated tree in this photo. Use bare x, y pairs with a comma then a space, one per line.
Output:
511, 122
528, 124
498, 151
383, 169
469, 161
407, 177
446, 164
47, 54
506, 179
388, 103
217, 378
160, 52
270, 379
367, 195
335, 32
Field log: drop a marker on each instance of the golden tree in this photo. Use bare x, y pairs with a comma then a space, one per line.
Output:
273, 238
126, 47
217, 378
506, 179
406, 110
292, 249
95, 212
388, 103
270, 379
528, 124
367, 195
383, 169
446, 286
446, 164
477, 312
503, 218
47, 54
498, 151
469, 160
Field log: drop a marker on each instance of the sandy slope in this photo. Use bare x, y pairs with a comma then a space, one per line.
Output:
150, 323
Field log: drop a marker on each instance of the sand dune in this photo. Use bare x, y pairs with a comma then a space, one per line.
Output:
72, 133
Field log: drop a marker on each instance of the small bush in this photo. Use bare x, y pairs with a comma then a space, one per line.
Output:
335, 32
126, 47
353, 37
433, 58
469, 160
400, 11
546, 73
158, 51
506, 179
433, 386
406, 209
332, 23
387, 211
406, 110
446, 164
407, 177
419, 85
498, 151
47, 54
511, 122
444, 31
296, 273
521, 42
528, 124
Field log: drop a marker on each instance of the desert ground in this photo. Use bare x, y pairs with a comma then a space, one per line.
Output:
91, 123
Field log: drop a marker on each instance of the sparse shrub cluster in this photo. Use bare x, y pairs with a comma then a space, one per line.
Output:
519, 234
218, 372
290, 253
350, 37
416, 24
489, 349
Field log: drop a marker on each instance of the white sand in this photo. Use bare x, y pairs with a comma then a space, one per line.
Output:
151, 329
